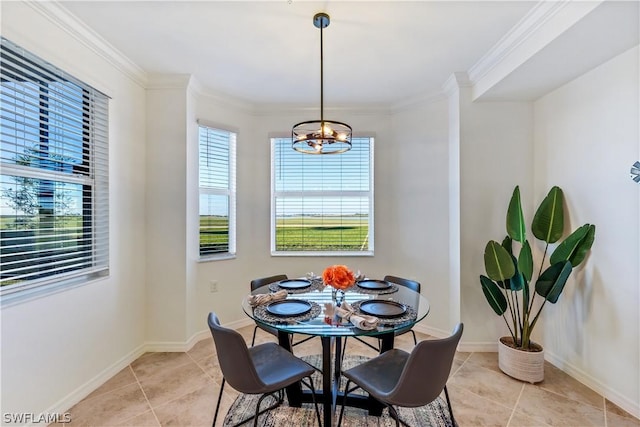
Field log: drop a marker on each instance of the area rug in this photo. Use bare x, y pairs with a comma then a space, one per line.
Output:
436, 414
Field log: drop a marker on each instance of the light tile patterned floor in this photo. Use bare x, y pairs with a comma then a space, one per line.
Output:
181, 389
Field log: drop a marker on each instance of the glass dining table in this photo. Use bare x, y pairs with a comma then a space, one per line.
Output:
309, 309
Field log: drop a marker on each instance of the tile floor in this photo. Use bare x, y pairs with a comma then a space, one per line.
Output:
181, 389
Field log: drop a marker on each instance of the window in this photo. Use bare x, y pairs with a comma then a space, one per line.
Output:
217, 181
322, 204
54, 206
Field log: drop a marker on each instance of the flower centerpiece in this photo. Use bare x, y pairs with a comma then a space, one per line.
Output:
340, 278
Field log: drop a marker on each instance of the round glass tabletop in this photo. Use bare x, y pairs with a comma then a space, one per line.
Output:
398, 309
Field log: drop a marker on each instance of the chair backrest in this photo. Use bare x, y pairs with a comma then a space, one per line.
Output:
426, 371
256, 283
234, 358
411, 284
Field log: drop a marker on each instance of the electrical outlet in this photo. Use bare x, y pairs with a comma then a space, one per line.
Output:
213, 286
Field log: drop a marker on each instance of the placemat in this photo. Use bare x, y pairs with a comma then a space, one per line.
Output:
408, 316
315, 284
261, 313
358, 289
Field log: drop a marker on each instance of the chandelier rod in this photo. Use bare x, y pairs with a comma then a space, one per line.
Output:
321, 83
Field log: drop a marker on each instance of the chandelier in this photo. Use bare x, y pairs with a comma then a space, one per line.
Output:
321, 136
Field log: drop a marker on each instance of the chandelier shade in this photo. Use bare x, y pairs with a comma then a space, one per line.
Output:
321, 136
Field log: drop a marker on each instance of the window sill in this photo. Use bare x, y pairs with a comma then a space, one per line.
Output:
323, 254
26, 295
221, 257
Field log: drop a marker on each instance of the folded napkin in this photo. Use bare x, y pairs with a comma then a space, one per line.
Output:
260, 299
360, 321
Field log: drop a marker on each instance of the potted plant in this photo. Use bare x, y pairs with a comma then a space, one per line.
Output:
510, 273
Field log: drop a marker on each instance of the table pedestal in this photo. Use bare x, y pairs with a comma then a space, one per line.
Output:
331, 397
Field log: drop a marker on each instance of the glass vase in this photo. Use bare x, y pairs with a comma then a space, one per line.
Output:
337, 295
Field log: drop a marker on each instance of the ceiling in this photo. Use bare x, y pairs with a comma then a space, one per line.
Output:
268, 52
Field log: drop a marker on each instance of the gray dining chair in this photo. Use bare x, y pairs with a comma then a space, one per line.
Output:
407, 283
414, 286
398, 378
264, 369
258, 283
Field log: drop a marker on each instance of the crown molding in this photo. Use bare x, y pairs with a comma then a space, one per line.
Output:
62, 18
523, 30
225, 100
456, 81
168, 81
417, 101
545, 22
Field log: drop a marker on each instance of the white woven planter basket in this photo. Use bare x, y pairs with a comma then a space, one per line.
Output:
522, 365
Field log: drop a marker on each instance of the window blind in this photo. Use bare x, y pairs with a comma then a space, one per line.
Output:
54, 207
322, 203
217, 169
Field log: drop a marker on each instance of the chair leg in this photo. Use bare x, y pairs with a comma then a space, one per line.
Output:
259, 412
344, 349
255, 329
344, 399
446, 394
302, 340
369, 345
215, 417
278, 398
394, 415
415, 341
313, 398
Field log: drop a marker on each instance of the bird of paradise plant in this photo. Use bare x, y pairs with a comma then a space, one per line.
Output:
507, 286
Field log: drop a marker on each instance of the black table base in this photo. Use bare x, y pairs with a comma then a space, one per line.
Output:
331, 397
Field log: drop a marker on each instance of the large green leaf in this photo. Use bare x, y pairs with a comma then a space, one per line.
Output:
497, 262
575, 247
507, 243
525, 261
516, 281
515, 218
548, 222
494, 295
551, 282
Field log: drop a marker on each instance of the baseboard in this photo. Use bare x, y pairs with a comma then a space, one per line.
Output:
429, 330
610, 394
470, 347
182, 346
478, 347
87, 388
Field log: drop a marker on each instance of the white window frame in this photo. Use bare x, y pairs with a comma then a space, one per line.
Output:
92, 174
278, 194
230, 192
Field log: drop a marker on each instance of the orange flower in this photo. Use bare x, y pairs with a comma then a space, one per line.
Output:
338, 276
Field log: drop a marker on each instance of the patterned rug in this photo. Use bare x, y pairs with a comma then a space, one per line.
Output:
436, 414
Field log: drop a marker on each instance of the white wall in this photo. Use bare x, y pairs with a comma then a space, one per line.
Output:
495, 149
586, 138
166, 209
414, 195
53, 346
